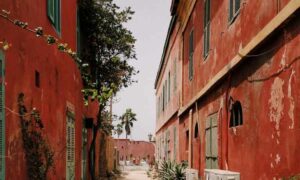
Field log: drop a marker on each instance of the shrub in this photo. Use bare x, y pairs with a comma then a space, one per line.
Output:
171, 171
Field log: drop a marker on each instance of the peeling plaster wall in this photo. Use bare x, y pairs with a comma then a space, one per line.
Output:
266, 145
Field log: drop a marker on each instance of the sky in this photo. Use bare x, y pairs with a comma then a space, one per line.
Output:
149, 26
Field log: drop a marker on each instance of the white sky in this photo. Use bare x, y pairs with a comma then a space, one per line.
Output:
149, 26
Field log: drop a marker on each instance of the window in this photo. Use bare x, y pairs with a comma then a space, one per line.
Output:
236, 114
175, 143
37, 79
70, 174
211, 142
2, 118
234, 8
166, 92
53, 12
167, 145
187, 140
191, 55
206, 28
175, 75
163, 98
169, 86
196, 131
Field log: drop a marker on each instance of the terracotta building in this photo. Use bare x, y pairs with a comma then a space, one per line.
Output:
238, 94
134, 151
50, 82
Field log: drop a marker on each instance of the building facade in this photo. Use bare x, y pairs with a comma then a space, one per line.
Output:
134, 151
238, 105
50, 82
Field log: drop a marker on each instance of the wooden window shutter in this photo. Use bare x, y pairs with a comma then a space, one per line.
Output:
191, 54
211, 142
237, 6
70, 160
230, 10
2, 118
51, 10
206, 28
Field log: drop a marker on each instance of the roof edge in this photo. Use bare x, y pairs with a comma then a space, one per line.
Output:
166, 45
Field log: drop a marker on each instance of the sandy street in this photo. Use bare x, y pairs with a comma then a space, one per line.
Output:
135, 175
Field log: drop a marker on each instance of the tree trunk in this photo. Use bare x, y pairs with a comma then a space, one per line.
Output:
103, 156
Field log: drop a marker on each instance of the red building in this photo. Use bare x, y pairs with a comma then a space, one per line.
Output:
135, 151
238, 106
50, 82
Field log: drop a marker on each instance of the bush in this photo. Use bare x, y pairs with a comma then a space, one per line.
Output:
171, 171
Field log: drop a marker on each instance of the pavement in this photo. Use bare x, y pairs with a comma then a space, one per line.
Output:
132, 172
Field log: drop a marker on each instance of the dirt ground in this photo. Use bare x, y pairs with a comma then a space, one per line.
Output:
134, 175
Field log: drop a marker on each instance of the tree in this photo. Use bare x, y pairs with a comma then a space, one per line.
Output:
150, 137
107, 47
119, 129
127, 121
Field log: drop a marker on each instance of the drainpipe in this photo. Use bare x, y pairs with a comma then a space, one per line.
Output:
227, 122
190, 138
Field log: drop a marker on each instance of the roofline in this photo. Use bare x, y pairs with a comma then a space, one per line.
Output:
166, 45
174, 6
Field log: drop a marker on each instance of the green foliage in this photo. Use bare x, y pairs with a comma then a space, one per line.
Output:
119, 129
127, 120
171, 171
107, 46
38, 153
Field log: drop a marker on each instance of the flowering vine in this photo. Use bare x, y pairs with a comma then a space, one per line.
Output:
39, 32
4, 45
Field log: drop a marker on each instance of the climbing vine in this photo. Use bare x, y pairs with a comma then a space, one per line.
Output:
38, 153
4, 45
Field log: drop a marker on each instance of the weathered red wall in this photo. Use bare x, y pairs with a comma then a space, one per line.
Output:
138, 150
60, 83
265, 146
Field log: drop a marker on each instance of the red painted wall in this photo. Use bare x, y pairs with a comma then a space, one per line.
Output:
60, 83
265, 146
138, 149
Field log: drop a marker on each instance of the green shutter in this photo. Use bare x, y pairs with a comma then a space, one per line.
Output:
237, 6
57, 15
206, 28
191, 54
70, 144
230, 10
169, 86
51, 10
175, 144
2, 118
211, 142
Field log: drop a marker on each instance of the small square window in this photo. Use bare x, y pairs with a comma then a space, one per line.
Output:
236, 114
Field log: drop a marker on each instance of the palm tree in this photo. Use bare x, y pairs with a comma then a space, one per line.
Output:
127, 120
150, 137
119, 129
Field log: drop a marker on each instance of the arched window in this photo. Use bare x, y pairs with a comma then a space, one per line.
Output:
196, 132
236, 114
